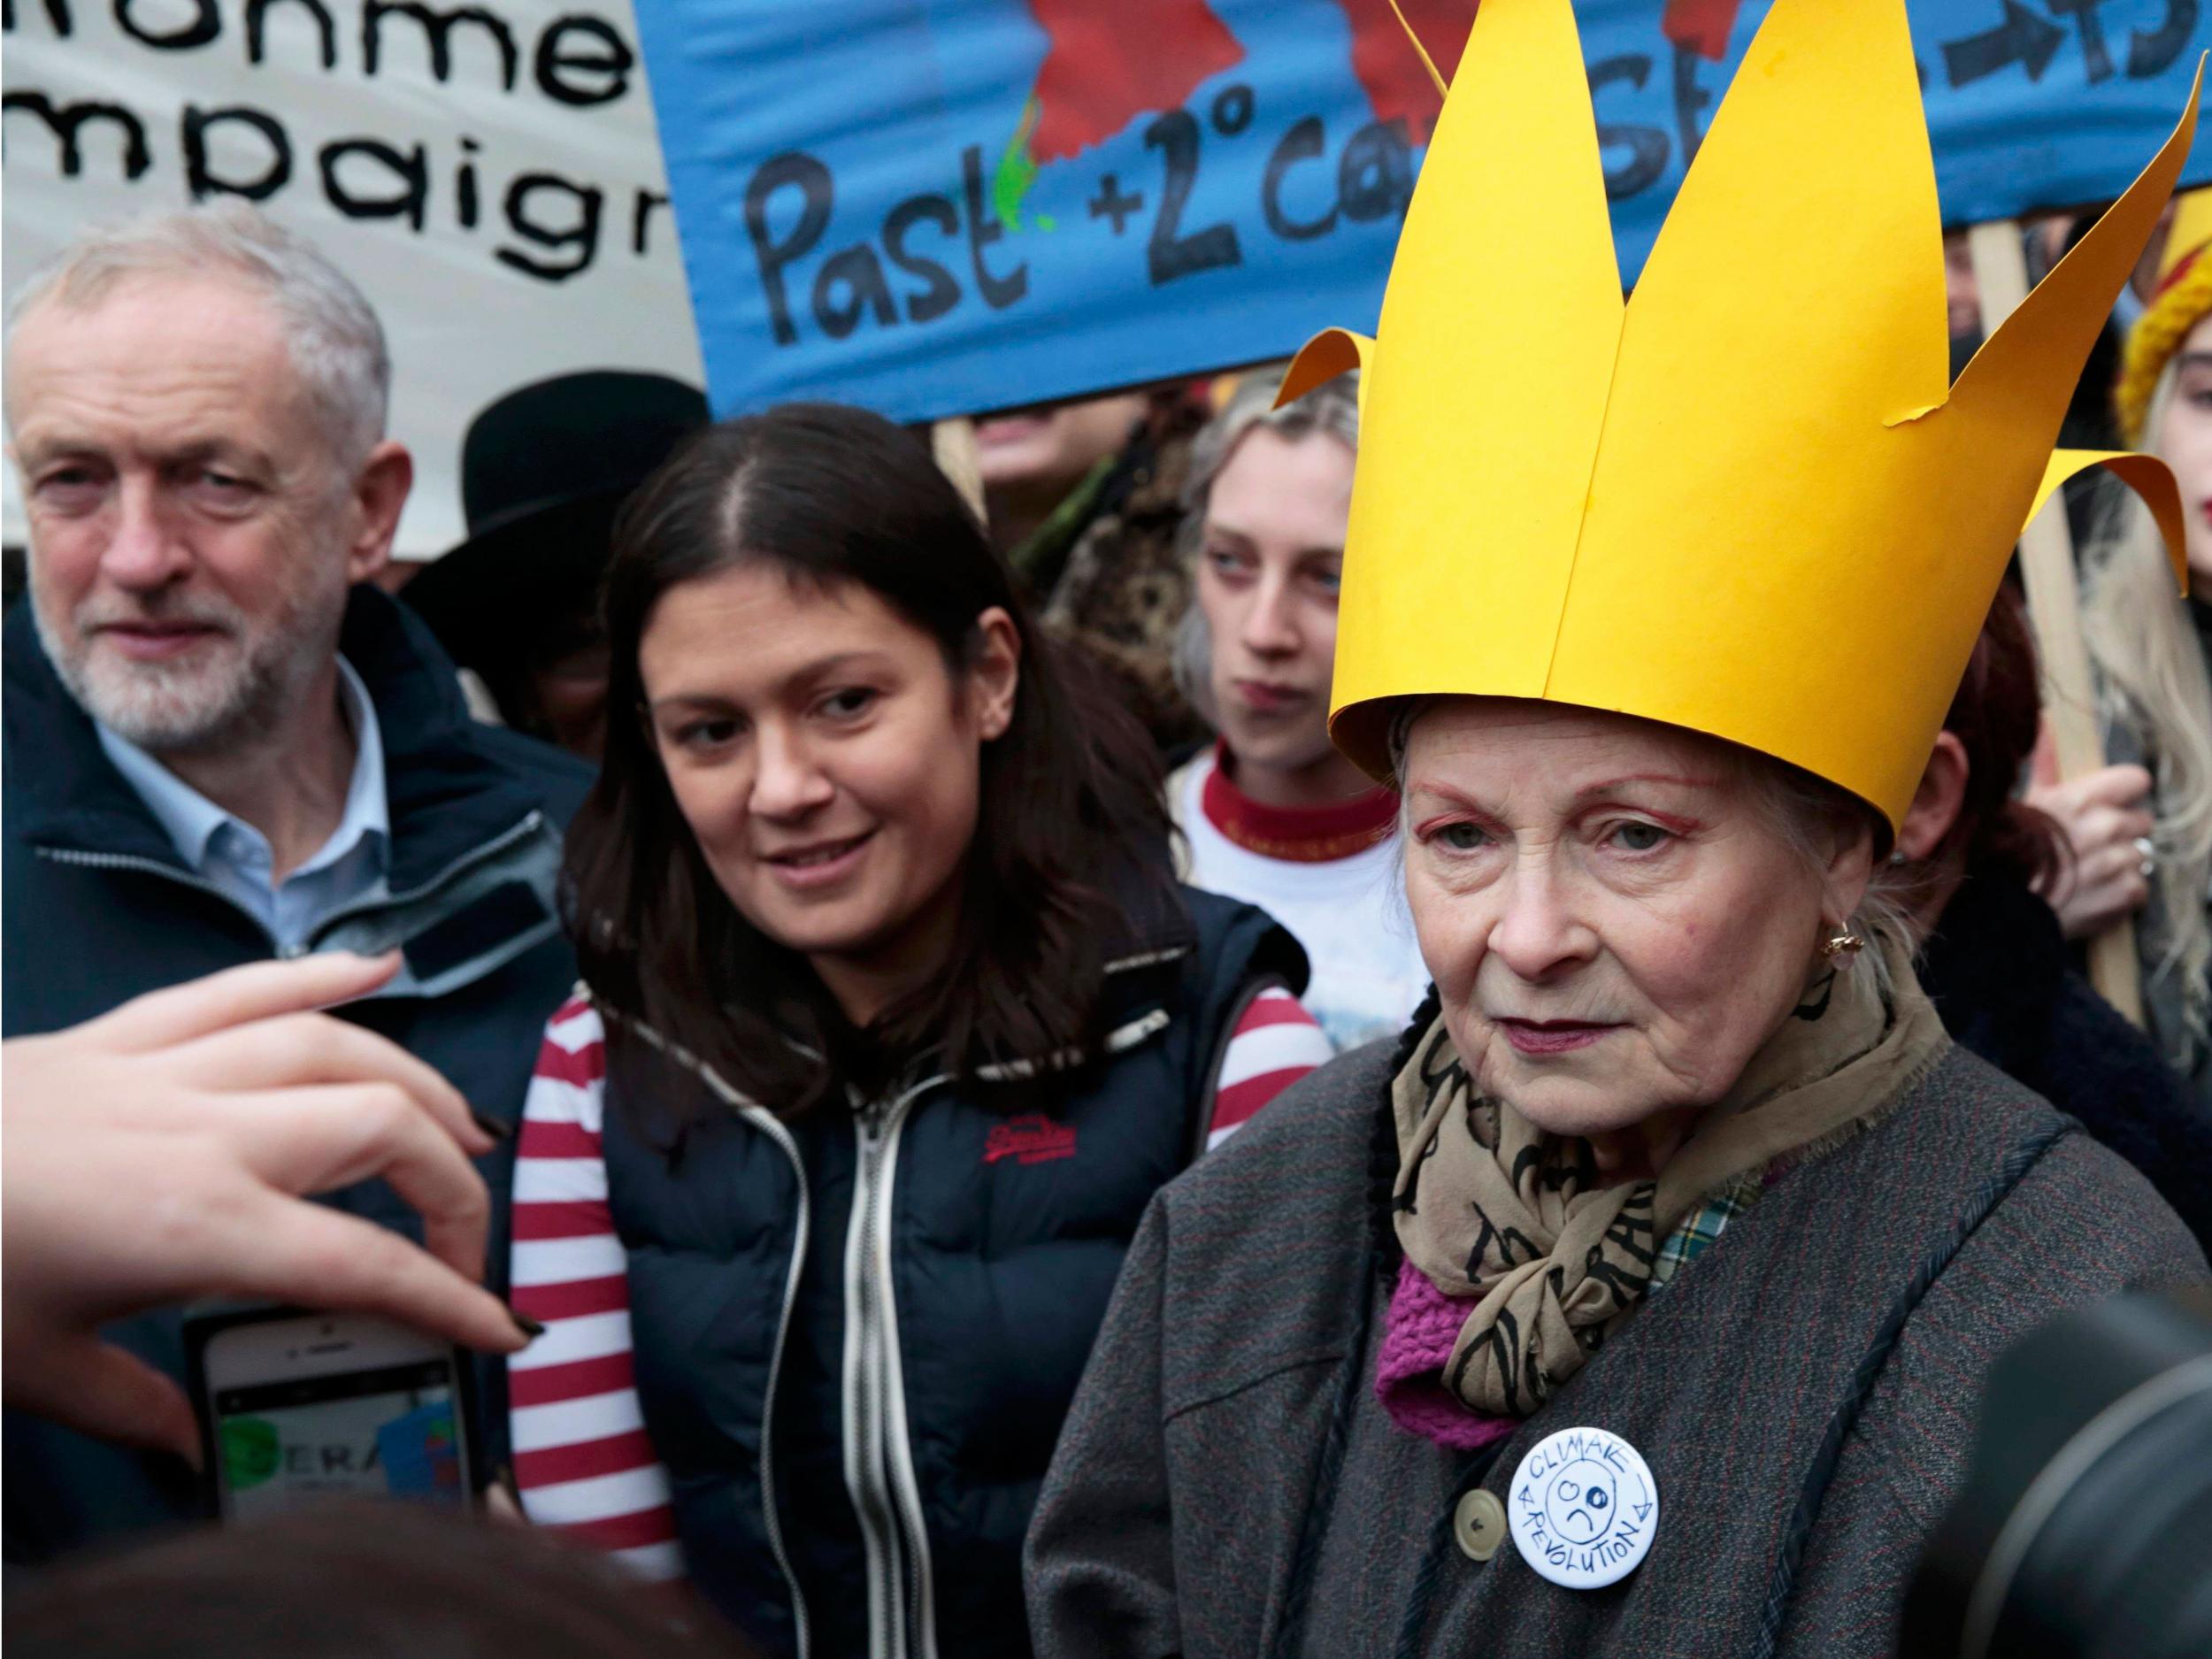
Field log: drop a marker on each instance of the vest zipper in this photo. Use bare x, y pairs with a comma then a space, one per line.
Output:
878, 1459
880, 1476
769, 1125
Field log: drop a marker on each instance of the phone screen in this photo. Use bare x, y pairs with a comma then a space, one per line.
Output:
388, 1429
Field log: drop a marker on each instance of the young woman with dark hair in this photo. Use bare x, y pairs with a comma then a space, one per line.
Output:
893, 1019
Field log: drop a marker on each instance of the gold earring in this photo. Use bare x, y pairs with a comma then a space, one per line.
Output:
1842, 942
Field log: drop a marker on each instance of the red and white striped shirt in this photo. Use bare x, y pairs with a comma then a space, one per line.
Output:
1275, 1043
583, 1464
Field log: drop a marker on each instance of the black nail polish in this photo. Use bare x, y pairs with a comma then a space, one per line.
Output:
524, 1324
491, 1126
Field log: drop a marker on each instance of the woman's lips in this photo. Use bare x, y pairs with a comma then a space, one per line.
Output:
818, 864
1010, 428
1260, 697
1551, 1036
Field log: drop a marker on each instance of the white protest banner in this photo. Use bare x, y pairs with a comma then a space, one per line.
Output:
488, 171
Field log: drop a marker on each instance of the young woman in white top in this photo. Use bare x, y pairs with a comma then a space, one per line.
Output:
1272, 814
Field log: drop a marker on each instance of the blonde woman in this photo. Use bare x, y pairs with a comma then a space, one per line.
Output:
2141, 828
1270, 813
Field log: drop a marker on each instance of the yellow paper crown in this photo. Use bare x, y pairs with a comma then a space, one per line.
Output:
1745, 502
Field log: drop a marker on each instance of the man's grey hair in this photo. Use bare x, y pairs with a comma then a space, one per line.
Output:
336, 343
1332, 407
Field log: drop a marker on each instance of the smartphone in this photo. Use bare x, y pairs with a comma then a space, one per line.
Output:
296, 1406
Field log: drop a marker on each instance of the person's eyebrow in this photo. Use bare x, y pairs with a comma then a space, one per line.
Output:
1449, 796
836, 662
1590, 791
678, 700
196, 451
1226, 533
2196, 359
37, 443
1587, 793
214, 443
806, 674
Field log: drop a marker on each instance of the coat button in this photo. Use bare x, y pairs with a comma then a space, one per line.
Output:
1479, 1523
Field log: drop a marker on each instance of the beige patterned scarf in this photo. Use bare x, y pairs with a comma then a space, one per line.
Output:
1489, 1206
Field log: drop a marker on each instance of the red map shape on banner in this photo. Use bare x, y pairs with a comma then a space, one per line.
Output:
1107, 65
1400, 88
1702, 25
1110, 64
1388, 69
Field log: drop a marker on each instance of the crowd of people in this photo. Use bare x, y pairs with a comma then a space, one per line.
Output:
1107, 1076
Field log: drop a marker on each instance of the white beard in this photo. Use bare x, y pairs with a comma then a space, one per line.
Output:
241, 686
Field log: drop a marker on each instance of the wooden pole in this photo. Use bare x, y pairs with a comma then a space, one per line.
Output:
953, 443
2048, 570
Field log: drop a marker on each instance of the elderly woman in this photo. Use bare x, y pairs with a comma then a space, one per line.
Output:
1635, 1302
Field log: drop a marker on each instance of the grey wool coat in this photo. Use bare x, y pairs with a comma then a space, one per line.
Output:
1227, 1486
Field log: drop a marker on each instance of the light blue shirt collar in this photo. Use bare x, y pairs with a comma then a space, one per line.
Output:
204, 833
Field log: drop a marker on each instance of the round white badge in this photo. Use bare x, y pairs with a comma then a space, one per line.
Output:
1583, 1508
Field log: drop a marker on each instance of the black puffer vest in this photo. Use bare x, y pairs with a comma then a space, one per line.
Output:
857, 1334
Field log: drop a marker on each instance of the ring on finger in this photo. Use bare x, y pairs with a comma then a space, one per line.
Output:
2146, 850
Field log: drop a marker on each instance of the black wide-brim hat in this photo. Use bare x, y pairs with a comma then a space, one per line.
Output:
544, 470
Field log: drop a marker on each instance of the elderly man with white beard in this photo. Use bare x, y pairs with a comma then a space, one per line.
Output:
223, 744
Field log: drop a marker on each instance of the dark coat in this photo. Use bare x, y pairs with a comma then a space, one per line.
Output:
100, 908
1228, 1487
1999, 971
897, 1302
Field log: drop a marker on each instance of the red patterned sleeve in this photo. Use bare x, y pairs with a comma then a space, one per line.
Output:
582, 1462
1274, 1043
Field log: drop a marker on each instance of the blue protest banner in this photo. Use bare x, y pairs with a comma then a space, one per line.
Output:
940, 207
